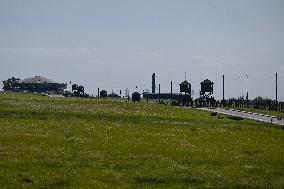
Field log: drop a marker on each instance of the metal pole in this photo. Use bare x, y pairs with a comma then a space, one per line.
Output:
98, 92
223, 88
276, 88
171, 90
159, 91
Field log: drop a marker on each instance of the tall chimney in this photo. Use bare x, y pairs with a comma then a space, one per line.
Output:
153, 83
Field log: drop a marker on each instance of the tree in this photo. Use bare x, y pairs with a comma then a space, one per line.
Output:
10, 84
241, 98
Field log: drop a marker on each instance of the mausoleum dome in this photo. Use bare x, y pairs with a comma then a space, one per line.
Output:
37, 79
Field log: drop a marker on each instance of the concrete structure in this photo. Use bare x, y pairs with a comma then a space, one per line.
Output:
153, 83
40, 84
247, 115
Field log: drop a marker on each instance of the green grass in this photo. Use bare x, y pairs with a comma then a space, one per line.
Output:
90, 143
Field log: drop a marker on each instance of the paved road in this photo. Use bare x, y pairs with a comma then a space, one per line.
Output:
247, 115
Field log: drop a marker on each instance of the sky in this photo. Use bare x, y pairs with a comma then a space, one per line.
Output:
118, 44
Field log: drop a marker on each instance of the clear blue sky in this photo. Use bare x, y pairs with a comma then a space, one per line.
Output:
118, 44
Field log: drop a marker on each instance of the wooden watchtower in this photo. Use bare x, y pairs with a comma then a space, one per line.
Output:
185, 87
185, 93
206, 88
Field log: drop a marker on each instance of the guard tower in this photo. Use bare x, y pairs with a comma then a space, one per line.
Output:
75, 88
103, 94
185, 87
81, 90
185, 93
136, 97
206, 88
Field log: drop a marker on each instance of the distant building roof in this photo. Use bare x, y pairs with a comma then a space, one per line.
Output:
37, 79
206, 81
185, 83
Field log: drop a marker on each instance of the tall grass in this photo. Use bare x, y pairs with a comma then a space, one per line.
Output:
107, 143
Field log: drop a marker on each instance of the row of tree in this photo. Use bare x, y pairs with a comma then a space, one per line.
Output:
10, 84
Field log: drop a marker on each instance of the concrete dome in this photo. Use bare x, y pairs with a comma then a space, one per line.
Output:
37, 79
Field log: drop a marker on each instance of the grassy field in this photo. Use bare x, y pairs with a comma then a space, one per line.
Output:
90, 143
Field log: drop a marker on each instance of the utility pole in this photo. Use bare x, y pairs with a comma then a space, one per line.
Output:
159, 92
171, 90
223, 88
276, 88
247, 77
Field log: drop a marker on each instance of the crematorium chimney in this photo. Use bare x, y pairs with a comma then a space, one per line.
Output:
153, 83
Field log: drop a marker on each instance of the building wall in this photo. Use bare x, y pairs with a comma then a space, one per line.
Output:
174, 96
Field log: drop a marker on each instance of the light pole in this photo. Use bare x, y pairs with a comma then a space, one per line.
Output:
276, 88
247, 97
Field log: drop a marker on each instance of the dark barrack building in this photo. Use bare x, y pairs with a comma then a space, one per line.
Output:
169, 96
185, 87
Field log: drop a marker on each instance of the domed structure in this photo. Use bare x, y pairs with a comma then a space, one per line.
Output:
40, 84
37, 79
